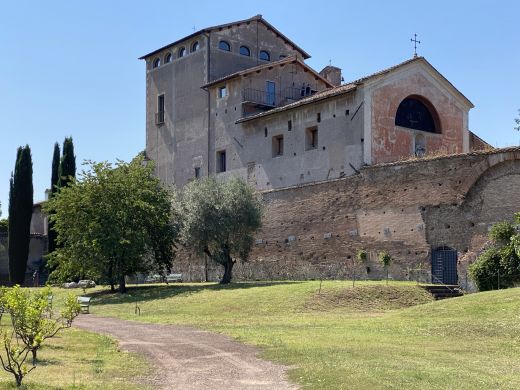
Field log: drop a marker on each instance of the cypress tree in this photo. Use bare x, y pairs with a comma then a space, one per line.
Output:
55, 175
20, 213
67, 164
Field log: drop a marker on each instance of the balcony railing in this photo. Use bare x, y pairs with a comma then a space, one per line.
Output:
272, 99
159, 118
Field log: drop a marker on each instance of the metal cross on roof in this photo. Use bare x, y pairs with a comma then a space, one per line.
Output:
415, 41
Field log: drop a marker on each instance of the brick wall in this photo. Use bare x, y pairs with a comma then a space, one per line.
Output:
407, 208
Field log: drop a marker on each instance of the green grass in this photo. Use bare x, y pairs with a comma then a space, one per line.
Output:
348, 338
80, 360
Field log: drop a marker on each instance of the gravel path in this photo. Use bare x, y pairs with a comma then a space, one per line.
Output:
187, 358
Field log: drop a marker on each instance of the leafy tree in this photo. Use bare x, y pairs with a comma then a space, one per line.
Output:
220, 219
114, 221
517, 121
20, 213
67, 169
4, 225
55, 175
499, 265
386, 260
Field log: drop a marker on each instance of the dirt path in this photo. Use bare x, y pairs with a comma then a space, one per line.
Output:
187, 358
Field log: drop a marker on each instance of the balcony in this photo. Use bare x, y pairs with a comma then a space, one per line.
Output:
159, 118
265, 100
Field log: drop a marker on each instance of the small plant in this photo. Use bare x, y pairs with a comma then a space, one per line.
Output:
32, 324
386, 260
360, 258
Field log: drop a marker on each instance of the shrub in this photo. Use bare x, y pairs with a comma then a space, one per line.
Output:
386, 260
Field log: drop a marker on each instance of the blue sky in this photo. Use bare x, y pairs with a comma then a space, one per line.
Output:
70, 68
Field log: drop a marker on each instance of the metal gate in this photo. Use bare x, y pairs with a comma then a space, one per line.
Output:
444, 266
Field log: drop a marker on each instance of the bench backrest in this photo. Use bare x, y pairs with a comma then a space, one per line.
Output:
84, 299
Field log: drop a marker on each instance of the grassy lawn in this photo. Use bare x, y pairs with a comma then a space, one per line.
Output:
79, 360
369, 337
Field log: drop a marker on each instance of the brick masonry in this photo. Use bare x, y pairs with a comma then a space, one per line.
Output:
408, 208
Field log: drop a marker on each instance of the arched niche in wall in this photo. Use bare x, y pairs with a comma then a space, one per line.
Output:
417, 113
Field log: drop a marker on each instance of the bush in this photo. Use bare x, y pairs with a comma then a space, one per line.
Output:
499, 266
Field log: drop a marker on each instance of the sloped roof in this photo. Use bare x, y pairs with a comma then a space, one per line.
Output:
288, 60
255, 18
349, 87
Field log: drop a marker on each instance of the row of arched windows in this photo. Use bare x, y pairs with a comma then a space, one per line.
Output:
245, 51
181, 52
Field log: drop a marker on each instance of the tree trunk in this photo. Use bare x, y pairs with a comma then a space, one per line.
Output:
122, 284
228, 268
18, 378
33, 351
112, 287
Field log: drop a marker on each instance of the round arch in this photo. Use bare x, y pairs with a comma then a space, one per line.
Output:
418, 113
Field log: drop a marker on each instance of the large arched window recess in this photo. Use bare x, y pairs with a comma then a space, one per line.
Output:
415, 112
195, 46
168, 58
156, 62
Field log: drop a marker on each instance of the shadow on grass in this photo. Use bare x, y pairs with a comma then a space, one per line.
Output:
136, 293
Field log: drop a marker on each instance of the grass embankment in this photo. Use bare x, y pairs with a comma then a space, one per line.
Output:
344, 338
78, 360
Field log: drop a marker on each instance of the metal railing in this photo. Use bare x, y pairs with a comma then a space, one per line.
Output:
272, 99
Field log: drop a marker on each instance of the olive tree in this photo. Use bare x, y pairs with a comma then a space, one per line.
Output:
112, 222
219, 219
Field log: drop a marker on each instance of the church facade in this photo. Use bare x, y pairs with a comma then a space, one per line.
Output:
385, 162
239, 99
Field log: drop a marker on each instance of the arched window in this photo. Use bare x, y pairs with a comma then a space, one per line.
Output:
264, 55
416, 113
182, 52
168, 58
156, 62
195, 46
244, 50
223, 45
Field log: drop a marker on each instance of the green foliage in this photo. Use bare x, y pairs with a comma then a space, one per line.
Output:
67, 169
4, 225
55, 175
220, 219
385, 259
517, 121
32, 324
114, 221
361, 256
20, 213
499, 265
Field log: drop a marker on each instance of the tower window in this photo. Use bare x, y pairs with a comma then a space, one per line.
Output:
289, 125
318, 117
156, 62
244, 50
278, 145
159, 116
311, 138
195, 46
224, 45
264, 55
182, 52
168, 58
197, 172
221, 161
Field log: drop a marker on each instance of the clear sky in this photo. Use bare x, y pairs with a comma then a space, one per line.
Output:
70, 68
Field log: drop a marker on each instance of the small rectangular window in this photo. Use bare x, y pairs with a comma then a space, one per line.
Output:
318, 117
289, 125
197, 172
222, 92
311, 138
278, 145
159, 115
221, 161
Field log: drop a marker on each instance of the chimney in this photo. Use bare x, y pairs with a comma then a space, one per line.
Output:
332, 74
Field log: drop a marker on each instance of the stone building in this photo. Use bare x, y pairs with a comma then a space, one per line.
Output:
239, 99
383, 162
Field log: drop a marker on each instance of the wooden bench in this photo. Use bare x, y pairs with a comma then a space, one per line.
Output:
84, 304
